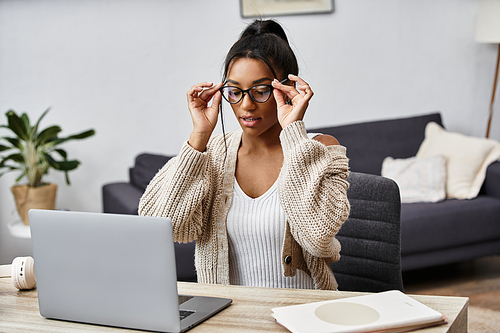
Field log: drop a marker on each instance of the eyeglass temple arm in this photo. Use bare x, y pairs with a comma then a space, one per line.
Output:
282, 82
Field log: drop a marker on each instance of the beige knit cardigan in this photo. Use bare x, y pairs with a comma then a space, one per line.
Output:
195, 190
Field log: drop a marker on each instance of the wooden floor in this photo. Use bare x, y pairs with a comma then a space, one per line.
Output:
477, 279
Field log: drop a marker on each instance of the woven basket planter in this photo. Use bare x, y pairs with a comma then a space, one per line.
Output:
42, 197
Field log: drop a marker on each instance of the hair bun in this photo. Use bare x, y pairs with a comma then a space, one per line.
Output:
259, 27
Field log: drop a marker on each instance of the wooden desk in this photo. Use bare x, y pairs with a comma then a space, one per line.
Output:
250, 311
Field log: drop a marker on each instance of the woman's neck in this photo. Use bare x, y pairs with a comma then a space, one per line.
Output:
268, 141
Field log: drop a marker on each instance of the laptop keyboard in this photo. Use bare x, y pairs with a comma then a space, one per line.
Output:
185, 313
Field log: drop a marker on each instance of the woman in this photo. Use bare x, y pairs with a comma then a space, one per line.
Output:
263, 203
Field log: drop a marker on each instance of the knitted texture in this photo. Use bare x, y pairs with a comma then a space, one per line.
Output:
195, 190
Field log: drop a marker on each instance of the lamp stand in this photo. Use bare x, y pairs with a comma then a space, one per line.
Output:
493, 94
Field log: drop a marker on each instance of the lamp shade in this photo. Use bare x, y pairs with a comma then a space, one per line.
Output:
488, 21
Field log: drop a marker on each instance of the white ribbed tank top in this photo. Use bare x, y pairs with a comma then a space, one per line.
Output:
256, 229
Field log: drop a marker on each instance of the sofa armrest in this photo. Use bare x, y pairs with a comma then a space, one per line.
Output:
121, 198
491, 185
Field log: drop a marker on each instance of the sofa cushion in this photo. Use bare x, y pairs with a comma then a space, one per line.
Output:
466, 159
145, 168
419, 179
370, 142
449, 223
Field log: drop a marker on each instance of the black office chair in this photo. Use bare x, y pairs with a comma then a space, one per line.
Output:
370, 258
184, 261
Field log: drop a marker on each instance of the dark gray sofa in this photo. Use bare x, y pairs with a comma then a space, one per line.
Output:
431, 233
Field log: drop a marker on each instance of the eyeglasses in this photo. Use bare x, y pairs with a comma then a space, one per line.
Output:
259, 93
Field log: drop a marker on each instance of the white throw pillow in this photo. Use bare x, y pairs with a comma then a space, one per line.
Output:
467, 159
419, 179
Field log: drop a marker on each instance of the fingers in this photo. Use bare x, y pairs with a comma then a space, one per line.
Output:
290, 91
208, 93
278, 97
197, 88
217, 98
203, 115
297, 79
303, 88
203, 92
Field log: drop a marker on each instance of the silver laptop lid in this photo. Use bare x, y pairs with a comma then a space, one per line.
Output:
116, 270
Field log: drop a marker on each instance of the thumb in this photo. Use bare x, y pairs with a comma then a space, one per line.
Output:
216, 100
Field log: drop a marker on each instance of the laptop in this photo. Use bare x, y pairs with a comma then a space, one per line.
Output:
113, 270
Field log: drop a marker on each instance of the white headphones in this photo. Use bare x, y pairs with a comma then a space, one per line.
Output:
22, 272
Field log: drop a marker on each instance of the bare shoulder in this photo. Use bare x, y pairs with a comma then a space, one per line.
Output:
326, 139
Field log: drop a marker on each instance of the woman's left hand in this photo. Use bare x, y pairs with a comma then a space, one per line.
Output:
299, 97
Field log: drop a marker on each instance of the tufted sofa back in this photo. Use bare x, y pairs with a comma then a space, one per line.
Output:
370, 142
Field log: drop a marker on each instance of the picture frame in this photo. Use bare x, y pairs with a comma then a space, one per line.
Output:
269, 8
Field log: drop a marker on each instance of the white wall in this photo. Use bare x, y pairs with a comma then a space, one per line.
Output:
123, 67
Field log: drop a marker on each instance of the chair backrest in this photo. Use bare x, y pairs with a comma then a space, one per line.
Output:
370, 258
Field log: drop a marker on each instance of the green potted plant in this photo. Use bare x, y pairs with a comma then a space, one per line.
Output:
32, 152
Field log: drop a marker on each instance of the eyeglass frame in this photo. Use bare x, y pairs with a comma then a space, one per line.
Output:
247, 91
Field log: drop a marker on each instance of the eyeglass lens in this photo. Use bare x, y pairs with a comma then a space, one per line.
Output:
260, 93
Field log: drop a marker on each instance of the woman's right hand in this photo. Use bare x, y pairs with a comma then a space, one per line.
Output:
204, 116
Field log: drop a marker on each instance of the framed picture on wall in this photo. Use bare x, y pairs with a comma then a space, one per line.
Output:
267, 8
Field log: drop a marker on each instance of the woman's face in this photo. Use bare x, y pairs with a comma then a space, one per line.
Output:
255, 118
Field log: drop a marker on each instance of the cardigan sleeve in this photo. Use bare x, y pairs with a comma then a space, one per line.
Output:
313, 191
177, 191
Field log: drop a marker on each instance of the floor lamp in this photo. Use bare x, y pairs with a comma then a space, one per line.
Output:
488, 31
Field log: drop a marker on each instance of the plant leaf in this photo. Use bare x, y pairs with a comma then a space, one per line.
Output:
16, 125
26, 122
18, 158
10, 167
47, 135
52, 162
68, 165
42, 142
14, 142
62, 153
4, 148
62, 165
79, 136
35, 128
20, 177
